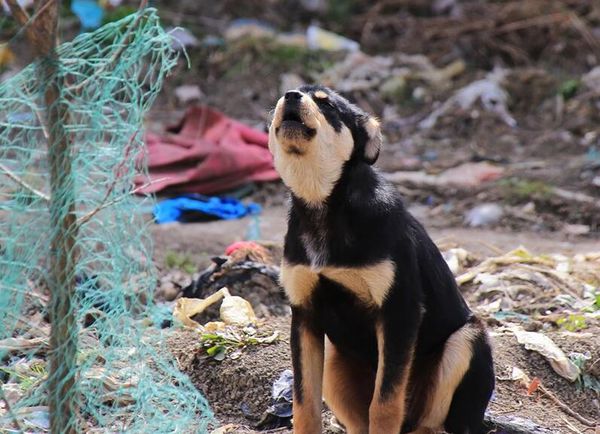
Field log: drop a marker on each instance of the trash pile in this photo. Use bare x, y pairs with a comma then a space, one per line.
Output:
537, 291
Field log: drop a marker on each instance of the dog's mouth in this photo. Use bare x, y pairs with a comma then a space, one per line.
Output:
293, 128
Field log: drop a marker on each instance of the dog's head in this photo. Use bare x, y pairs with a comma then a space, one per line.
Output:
314, 134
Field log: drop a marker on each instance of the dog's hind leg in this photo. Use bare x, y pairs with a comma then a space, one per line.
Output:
464, 382
347, 389
473, 393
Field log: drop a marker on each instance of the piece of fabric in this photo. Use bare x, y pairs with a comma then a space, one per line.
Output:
207, 153
193, 208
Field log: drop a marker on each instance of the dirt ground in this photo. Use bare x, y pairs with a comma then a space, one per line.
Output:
239, 390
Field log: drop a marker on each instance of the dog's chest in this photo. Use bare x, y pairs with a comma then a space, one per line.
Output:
369, 283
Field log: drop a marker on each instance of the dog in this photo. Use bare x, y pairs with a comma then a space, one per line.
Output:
379, 327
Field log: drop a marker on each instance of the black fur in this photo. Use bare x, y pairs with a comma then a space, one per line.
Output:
361, 223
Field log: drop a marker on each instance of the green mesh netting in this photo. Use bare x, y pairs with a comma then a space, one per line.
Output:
75, 247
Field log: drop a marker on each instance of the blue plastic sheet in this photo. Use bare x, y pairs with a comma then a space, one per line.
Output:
89, 12
196, 207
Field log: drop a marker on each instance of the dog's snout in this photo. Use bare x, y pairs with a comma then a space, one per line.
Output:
293, 95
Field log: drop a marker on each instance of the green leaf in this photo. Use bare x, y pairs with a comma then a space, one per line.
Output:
568, 88
214, 350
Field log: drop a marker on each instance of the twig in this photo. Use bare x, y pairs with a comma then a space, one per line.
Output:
532, 22
22, 344
10, 411
582, 28
570, 425
88, 216
23, 184
564, 407
575, 196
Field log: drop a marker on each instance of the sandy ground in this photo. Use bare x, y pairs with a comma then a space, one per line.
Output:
203, 240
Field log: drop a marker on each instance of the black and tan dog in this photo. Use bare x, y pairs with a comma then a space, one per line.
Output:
379, 328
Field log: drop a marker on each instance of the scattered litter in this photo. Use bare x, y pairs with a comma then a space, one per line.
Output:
248, 28
358, 71
547, 290
592, 79
321, 39
248, 251
546, 347
484, 215
465, 175
471, 174
248, 273
234, 310
456, 259
188, 92
388, 74
36, 417
279, 413
230, 340
206, 153
182, 38
230, 428
489, 91
197, 208
89, 12
533, 385
237, 311
186, 308
574, 229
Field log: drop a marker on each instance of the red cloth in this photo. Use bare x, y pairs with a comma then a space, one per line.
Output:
209, 153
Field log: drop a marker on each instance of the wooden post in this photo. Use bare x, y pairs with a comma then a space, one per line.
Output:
63, 337
62, 394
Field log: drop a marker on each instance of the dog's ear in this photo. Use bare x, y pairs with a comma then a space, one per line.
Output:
374, 140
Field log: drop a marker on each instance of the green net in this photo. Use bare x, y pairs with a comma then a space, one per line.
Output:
81, 344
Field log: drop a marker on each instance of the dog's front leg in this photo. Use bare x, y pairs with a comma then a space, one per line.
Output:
395, 343
307, 343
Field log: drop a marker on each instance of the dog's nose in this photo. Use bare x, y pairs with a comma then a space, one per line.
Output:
293, 95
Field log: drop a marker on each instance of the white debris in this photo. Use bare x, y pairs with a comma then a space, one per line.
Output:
546, 347
489, 91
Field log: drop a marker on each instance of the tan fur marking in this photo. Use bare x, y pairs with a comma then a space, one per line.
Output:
313, 174
347, 389
375, 139
370, 283
299, 281
386, 416
321, 95
453, 366
307, 414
